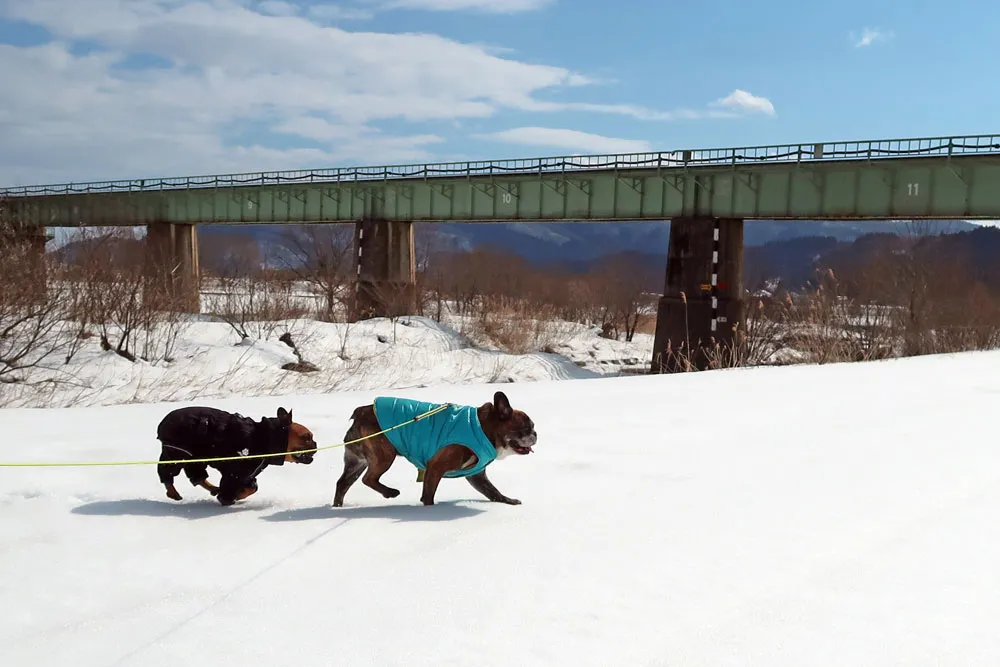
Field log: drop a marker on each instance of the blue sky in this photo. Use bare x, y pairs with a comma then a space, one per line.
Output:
96, 89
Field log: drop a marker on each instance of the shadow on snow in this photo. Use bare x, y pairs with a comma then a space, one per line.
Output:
446, 511
206, 509
200, 509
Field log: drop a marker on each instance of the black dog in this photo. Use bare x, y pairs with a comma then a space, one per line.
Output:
204, 433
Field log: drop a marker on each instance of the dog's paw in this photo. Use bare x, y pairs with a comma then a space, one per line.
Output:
173, 494
511, 501
390, 493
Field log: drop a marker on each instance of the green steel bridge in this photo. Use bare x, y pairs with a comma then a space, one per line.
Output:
939, 178
706, 194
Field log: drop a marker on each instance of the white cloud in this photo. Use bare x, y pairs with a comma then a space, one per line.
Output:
737, 103
68, 116
869, 37
631, 110
174, 87
571, 140
742, 101
489, 6
363, 9
331, 12
356, 140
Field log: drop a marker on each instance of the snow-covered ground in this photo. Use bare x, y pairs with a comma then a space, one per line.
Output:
209, 360
834, 515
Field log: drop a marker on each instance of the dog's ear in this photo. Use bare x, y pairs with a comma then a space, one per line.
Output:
502, 405
284, 416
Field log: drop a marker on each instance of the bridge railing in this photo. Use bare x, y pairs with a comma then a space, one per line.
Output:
841, 150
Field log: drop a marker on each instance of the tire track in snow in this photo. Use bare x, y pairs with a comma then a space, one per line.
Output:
225, 596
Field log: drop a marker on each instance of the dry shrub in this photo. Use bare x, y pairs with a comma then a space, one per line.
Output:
254, 301
33, 313
821, 324
765, 330
901, 302
909, 299
322, 257
397, 300
753, 342
506, 303
115, 289
518, 326
618, 290
931, 302
257, 304
517, 307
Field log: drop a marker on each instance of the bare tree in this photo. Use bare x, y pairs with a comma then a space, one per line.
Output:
253, 300
322, 257
392, 299
931, 300
766, 327
621, 287
432, 259
432, 282
32, 314
128, 300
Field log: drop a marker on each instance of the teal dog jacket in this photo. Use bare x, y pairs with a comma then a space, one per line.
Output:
420, 441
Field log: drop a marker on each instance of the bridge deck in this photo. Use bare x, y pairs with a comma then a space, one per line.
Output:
941, 177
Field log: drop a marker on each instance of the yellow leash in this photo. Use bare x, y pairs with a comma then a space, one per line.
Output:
221, 458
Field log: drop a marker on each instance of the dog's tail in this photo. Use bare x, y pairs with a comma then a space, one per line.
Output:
360, 416
351, 434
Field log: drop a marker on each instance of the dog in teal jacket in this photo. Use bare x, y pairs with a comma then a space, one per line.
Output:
441, 440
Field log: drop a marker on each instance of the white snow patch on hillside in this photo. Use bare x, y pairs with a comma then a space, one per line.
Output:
836, 515
209, 361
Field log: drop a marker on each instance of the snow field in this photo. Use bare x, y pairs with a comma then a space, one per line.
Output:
783, 516
209, 361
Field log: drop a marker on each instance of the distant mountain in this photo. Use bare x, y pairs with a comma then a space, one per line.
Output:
795, 261
560, 242
569, 241
774, 250
791, 260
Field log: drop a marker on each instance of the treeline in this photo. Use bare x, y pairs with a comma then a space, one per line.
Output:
916, 295
909, 295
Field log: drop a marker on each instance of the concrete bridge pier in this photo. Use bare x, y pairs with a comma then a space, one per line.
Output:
385, 268
172, 269
35, 244
28, 246
702, 302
